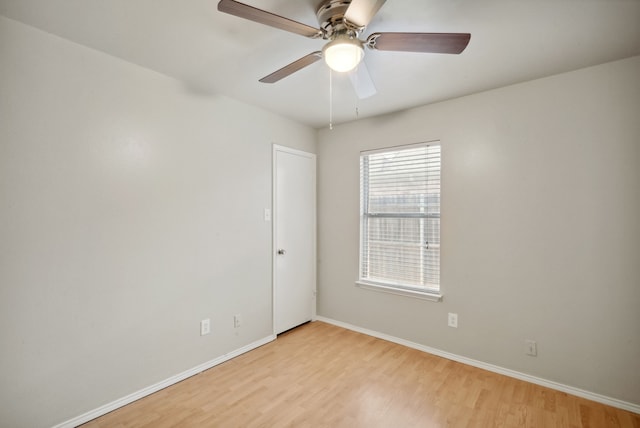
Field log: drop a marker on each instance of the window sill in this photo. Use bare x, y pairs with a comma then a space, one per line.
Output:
424, 295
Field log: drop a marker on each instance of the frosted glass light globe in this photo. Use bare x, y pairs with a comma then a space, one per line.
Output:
343, 53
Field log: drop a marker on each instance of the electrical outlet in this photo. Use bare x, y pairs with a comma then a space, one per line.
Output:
205, 327
452, 320
237, 320
531, 347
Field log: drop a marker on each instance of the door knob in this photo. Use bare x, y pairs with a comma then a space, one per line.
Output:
281, 251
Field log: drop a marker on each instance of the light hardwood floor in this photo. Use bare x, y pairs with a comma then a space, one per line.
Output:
320, 375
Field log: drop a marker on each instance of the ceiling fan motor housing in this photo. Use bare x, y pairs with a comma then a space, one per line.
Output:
331, 19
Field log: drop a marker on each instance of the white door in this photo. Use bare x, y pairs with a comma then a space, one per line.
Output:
294, 215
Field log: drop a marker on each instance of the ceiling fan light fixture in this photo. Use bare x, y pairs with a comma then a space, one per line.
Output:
343, 53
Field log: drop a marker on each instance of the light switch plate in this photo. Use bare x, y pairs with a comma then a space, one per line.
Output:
205, 327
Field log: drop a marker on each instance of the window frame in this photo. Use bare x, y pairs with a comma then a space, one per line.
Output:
394, 287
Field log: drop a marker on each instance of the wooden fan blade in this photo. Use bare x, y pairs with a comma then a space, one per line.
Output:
449, 43
362, 82
251, 13
361, 12
292, 68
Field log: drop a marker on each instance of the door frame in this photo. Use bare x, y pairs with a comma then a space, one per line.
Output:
274, 230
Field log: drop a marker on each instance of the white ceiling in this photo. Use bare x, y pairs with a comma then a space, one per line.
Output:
215, 53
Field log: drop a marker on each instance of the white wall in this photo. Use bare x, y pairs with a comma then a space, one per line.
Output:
129, 210
540, 227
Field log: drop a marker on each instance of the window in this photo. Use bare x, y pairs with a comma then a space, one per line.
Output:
400, 220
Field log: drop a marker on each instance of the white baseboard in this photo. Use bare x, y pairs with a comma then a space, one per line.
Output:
86, 417
635, 408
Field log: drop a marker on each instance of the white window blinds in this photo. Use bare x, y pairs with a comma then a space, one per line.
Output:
400, 217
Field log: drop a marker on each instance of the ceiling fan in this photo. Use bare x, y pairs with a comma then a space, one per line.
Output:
341, 23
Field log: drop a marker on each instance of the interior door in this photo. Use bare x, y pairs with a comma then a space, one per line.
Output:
294, 237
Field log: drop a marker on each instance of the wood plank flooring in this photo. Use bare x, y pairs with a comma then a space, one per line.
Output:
320, 375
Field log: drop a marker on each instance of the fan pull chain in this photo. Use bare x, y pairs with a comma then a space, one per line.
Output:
357, 83
330, 99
